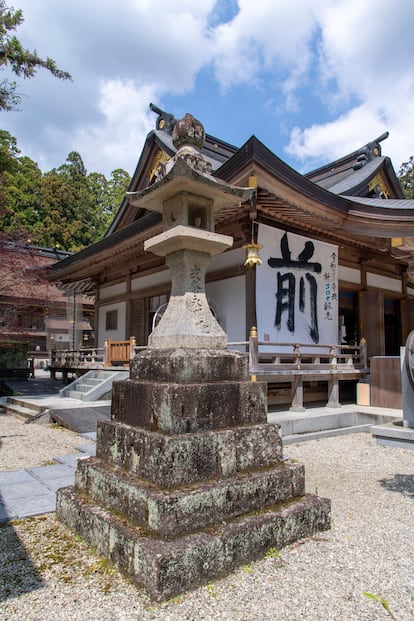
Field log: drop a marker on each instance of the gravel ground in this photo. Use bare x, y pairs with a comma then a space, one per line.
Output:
47, 573
28, 445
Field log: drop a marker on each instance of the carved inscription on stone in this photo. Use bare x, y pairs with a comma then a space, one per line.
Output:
197, 305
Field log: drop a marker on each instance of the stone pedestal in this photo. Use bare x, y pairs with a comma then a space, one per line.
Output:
189, 479
400, 434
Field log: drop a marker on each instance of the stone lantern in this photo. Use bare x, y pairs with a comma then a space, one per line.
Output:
188, 196
189, 480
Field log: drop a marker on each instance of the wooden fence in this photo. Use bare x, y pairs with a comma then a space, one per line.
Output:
297, 363
294, 363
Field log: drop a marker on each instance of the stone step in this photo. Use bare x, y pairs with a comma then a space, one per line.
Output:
84, 387
173, 461
166, 568
22, 411
175, 512
175, 408
22, 402
75, 394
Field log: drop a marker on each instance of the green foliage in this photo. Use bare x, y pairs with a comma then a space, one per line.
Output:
13, 355
65, 207
8, 151
272, 553
380, 600
21, 61
406, 177
211, 589
21, 188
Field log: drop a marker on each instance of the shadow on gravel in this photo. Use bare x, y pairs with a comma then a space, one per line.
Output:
18, 575
402, 483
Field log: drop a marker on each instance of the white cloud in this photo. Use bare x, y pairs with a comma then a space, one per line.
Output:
366, 80
264, 36
333, 140
137, 39
122, 56
115, 141
355, 57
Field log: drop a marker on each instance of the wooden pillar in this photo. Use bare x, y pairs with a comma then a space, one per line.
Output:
371, 321
251, 319
253, 353
333, 392
407, 318
297, 394
106, 353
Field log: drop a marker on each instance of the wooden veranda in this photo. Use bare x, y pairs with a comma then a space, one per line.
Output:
275, 363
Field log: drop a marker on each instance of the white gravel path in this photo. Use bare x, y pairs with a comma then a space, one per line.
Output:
25, 445
46, 573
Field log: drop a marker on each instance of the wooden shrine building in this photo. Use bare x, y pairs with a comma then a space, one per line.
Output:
337, 251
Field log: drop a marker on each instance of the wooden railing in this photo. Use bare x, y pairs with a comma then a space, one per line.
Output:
117, 353
84, 357
294, 363
299, 362
113, 353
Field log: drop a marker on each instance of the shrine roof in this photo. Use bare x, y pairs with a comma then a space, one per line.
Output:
350, 174
331, 197
118, 237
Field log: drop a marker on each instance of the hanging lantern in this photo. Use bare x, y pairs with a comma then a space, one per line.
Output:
252, 251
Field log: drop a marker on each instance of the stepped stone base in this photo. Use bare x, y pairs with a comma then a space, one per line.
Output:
189, 480
168, 567
174, 460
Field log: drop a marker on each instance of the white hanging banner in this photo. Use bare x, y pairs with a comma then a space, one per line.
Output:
296, 289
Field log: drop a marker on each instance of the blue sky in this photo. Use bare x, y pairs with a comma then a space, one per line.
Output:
312, 79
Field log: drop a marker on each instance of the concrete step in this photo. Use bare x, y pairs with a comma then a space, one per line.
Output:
75, 394
19, 410
92, 381
328, 433
93, 386
325, 419
22, 402
100, 374
84, 387
394, 434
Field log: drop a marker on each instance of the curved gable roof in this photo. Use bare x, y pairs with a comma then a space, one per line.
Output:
351, 173
215, 151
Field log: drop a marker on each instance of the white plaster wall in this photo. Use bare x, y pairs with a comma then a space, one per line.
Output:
231, 258
384, 282
159, 278
112, 290
228, 296
349, 274
119, 333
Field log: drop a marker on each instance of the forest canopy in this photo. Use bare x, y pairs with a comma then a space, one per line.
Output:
67, 206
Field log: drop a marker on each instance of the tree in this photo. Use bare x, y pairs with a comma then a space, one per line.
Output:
117, 186
66, 206
8, 151
20, 180
406, 177
67, 214
21, 61
75, 207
